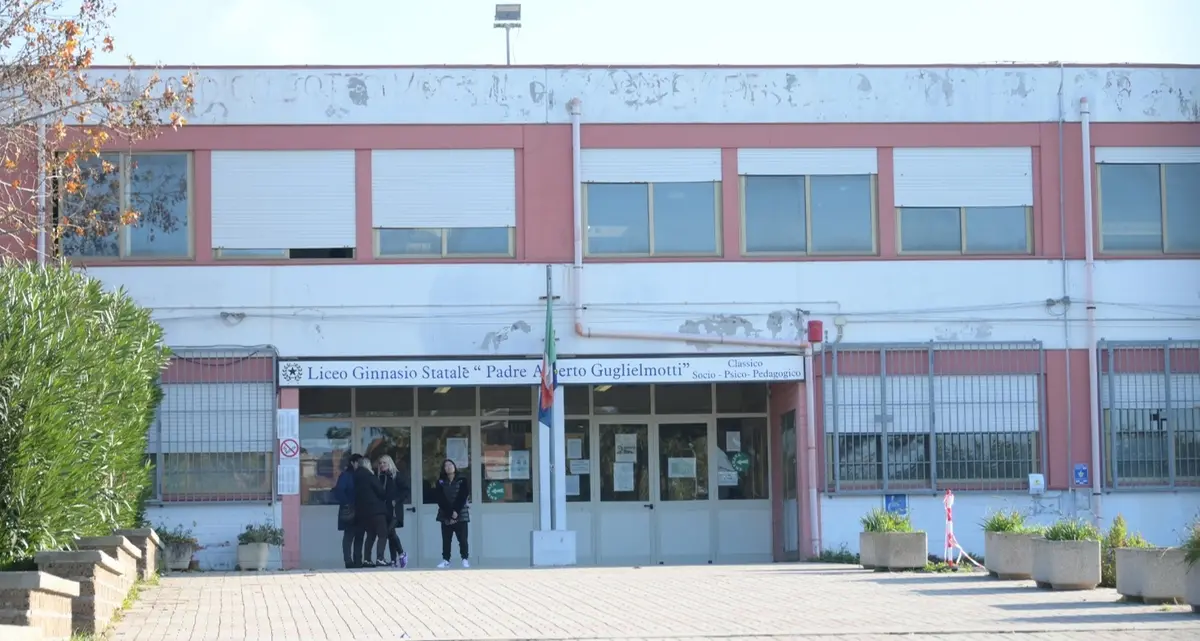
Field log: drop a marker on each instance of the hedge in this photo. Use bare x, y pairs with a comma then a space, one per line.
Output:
79, 371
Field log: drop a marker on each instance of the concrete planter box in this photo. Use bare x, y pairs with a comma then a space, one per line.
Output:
179, 557
99, 578
1066, 565
1151, 575
866, 549
1008, 555
1191, 587
146, 540
901, 550
37, 602
253, 556
121, 550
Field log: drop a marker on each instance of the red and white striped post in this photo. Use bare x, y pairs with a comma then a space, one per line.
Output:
951, 544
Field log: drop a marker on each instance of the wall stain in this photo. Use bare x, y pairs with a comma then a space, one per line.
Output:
981, 331
493, 340
718, 325
1021, 90
790, 320
1118, 87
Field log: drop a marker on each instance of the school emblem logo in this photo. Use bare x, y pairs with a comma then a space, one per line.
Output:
292, 373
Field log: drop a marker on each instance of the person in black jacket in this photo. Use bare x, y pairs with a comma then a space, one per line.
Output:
394, 487
453, 497
352, 534
370, 509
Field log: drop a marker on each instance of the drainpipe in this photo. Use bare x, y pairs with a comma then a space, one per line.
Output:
810, 427
41, 192
1085, 119
575, 108
1065, 274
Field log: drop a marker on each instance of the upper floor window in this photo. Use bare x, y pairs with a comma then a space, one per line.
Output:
808, 214
91, 213
651, 202
964, 230
1149, 207
652, 219
966, 201
444, 203
283, 204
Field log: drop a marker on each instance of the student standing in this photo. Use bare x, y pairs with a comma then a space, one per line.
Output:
453, 497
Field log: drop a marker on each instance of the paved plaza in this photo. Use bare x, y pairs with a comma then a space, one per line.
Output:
802, 601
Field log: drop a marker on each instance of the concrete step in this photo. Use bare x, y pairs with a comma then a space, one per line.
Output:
20, 633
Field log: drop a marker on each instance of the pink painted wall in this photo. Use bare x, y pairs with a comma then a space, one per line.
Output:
544, 170
289, 399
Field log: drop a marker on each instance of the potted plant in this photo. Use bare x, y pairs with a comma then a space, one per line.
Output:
179, 544
1191, 558
889, 542
1140, 571
255, 543
1067, 556
1008, 545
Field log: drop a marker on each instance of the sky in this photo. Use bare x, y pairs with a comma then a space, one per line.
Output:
650, 32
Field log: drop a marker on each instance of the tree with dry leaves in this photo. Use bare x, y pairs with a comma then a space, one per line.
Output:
59, 114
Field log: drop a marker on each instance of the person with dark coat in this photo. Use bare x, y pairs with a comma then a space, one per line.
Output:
453, 493
394, 487
347, 524
370, 509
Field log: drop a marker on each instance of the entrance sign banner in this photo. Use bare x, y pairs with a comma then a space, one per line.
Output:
626, 448
459, 451
622, 477
681, 468
571, 371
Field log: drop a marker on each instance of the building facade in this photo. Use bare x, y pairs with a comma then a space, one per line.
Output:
1004, 261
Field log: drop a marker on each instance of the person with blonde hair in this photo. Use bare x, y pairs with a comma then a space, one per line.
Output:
393, 489
370, 510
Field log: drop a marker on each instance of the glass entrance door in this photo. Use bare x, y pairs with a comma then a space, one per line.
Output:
683, 511
378, 438
625, 532
439, 441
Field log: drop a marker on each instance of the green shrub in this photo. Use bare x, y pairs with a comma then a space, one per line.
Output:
1072, 530
840, 555
1118, 536
1191, 544
880, 520
1008, 521
178, 536
78, 372
261, 533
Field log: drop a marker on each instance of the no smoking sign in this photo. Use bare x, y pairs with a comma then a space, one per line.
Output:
289, 448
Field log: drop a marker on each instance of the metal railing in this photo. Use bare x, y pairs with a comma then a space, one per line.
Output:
1150, 413
932, 416
214, 437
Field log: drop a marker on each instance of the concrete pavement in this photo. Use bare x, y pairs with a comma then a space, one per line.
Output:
803, 601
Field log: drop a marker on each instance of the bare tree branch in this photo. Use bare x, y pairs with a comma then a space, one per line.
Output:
46, 77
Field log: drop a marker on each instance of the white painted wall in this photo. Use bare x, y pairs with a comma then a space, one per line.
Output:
494, 309
1143, 511
440, 95
216, 526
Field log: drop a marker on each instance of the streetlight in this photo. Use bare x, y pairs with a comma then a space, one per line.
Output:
508, 17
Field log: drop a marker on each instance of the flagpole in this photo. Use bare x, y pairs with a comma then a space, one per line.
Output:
545, 479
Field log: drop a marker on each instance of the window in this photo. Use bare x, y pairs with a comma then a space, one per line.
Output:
964, 460
224, 476
964, 230
808, 214
1139, 447
652, 219
155, 185
465, 242
1150, 208
331, 253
